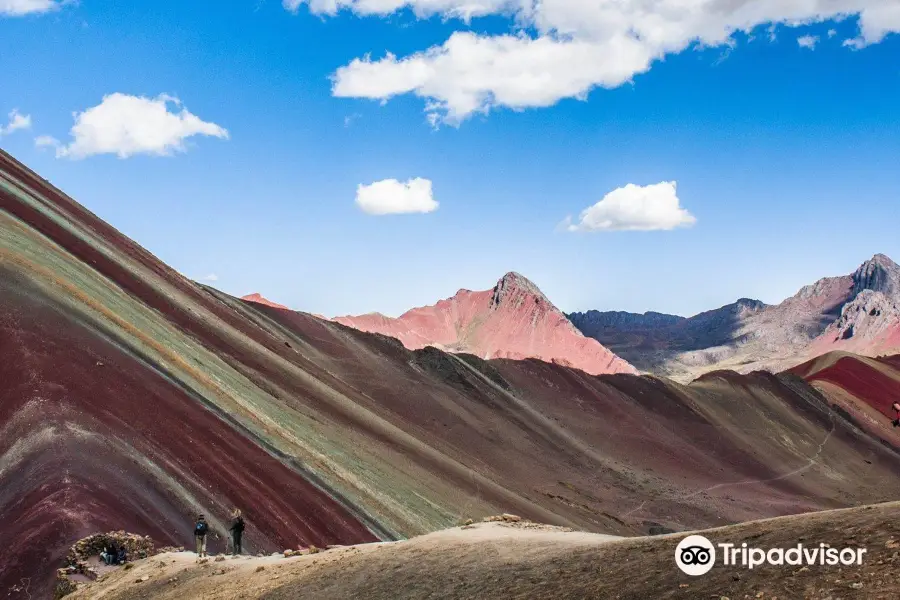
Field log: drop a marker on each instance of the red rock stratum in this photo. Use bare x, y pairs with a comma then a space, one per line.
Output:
132, 398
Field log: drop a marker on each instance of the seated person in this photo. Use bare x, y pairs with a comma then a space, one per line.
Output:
122, 556
113, 554
106, 557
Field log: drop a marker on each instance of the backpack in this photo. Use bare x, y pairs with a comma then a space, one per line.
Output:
201, 528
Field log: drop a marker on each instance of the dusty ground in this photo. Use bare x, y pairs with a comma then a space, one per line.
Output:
133, 399
501, 560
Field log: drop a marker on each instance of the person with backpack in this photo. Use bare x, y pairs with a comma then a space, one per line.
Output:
237, 530
200, 529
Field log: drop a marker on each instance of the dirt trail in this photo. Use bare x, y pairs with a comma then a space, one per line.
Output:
181, 575
811, 461
526, 560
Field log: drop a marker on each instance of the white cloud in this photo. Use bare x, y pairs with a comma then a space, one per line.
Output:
127, 125
808, 41
832, 33
572, 47
18, 8
46, 141
211, 277
472, 73
17, 121
391, 197
460, 9
635, 208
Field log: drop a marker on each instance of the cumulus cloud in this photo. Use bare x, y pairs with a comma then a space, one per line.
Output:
473, 73
635, 208
808, 41
18, 8
210, 277
16, 122
391, 197
127, 125
572, 46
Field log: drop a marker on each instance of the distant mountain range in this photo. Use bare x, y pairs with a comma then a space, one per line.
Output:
859, 312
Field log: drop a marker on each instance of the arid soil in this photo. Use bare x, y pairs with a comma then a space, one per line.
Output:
864, 389
133, 398
523, 561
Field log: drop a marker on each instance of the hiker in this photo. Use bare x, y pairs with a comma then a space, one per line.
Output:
122, 555
237, 530
200, 530
896, 407
106, 556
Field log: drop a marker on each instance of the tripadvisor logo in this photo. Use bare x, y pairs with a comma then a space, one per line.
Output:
696, 555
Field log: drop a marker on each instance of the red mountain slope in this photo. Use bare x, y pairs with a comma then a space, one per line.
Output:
513, 320
865, 388
132, 398
259, 299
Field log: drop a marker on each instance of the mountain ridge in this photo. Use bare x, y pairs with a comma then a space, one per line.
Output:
514, 319
132, 398
858, 312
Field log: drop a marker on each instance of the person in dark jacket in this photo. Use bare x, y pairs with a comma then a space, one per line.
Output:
237, 531
200, 529
113, 553
122, 555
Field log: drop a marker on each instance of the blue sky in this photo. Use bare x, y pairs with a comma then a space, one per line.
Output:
786, 157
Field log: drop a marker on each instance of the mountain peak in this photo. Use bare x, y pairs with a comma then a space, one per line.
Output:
884, 259
514, 320
879, 274
516, 285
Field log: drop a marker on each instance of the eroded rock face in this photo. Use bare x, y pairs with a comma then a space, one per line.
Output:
512, 320
866, 318
880, 274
